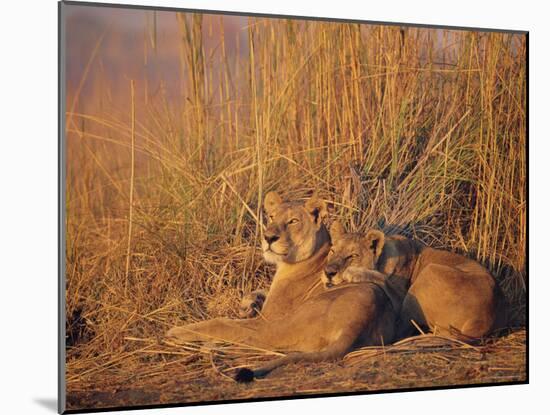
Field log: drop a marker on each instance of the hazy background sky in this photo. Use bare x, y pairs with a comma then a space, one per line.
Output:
136, 44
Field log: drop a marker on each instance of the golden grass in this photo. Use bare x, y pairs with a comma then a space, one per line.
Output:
416, 131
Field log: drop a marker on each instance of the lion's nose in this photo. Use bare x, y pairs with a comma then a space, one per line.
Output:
330, 272
270, 238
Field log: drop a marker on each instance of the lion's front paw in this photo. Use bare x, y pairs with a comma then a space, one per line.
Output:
251, 304
356, 275
356, 278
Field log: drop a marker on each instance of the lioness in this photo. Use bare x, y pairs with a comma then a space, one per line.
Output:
448, 293
299, 314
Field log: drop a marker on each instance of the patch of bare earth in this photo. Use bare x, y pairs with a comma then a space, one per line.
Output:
151, 373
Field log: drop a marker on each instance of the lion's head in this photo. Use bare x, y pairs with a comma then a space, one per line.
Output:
295, 230
351, 254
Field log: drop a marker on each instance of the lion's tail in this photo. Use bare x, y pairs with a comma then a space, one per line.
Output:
333, 352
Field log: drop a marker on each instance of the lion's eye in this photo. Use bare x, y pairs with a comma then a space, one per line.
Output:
331, 252
270, 218
293, 221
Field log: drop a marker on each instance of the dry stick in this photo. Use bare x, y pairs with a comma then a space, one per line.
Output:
259, 141
417, 327
218, 371
132, 171
248, 208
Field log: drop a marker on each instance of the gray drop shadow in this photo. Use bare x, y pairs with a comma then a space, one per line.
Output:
48, 403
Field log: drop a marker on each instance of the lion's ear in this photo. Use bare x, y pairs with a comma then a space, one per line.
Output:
317, 208
336, 231
375, 241
271, 201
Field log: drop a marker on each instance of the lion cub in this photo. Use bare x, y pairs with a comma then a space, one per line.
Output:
352, 259
440, 291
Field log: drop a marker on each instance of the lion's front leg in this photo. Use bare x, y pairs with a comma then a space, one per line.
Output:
247, 332
252, 303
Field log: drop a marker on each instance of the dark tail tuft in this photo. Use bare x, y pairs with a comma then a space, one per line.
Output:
244, 375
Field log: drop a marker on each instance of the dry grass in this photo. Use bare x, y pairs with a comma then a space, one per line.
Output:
416, 131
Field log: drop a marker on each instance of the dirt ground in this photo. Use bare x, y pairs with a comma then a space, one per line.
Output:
154, 373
